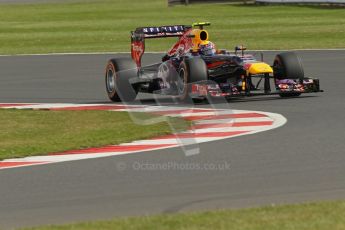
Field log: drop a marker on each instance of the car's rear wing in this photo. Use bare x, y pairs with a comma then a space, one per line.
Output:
161, 31
141, 33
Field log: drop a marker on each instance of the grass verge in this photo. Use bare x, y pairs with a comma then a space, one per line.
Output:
312, 216
104, 25
28, 133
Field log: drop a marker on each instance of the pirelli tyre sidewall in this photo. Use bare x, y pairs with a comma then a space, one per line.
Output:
191, 70
118, 73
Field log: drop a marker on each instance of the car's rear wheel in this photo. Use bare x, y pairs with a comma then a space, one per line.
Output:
288, 65
118, 73
191, 70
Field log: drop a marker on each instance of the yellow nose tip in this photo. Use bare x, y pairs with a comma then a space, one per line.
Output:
260, 68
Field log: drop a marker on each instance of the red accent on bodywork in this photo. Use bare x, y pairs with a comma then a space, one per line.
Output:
137, 51
200, 89
194, 88
183, 45
203, 90
246, 66
215, 64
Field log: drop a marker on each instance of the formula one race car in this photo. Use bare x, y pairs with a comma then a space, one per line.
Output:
194, 68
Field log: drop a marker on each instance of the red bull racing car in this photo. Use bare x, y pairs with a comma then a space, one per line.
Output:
195, 68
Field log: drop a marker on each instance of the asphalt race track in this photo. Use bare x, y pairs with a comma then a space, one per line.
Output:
301, 161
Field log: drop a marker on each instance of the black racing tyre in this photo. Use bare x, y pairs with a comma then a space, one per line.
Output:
118, 73
190, 70
288, 65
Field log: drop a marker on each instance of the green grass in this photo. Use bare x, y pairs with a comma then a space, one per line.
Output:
313, 216
104, 25
27, 133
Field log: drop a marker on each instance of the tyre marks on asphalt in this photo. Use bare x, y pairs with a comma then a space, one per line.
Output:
208, 125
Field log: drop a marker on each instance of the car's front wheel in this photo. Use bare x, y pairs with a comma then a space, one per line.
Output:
288, 65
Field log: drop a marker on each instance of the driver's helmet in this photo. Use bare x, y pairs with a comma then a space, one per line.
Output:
207, 48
